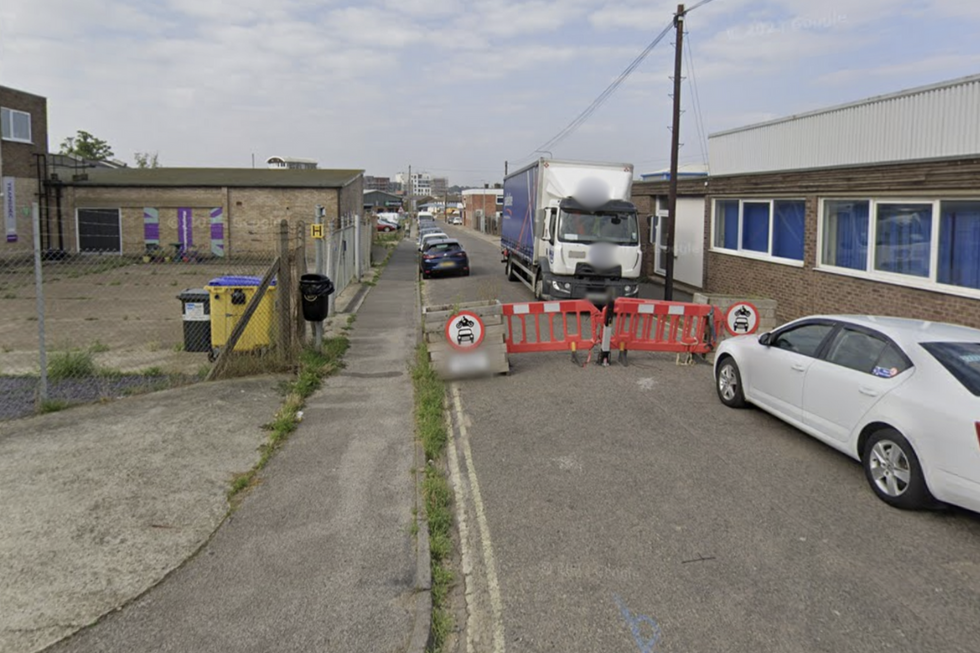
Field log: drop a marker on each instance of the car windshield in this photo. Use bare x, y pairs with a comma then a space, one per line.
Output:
961, 359
616, 228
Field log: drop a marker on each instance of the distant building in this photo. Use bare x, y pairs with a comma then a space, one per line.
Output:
481, 207
419, 184
440, 186
379, 200
683, 172
289, 163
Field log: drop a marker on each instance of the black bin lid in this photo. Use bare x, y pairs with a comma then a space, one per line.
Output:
194, 295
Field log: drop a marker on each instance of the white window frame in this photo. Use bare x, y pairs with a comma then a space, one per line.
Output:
78, 233
30, 125
869, 273
749, 253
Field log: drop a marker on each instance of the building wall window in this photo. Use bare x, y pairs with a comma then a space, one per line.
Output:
924, 243
766, 228
15, 125
959, 244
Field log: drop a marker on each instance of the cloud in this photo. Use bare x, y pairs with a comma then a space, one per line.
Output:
946, 66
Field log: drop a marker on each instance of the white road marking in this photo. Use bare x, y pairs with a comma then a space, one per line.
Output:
464, 535
489, 562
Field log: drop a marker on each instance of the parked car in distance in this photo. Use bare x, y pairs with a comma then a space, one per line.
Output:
384, 225
455, 220
430, 236
445, 256
902, 396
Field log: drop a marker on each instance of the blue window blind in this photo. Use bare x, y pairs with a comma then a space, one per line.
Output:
787, 229
726, 224
755, 226
959, 244
845, 234
903, 238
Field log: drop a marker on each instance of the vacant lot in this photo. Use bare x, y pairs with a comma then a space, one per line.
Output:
125, 313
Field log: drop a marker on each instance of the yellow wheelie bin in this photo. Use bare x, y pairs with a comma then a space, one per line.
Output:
230, 296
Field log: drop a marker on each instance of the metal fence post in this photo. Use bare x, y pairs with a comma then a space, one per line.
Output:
357, 247
39, 290
285, 292
319, 244
328, 244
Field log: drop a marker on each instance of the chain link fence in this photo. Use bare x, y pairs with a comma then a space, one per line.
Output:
94, 326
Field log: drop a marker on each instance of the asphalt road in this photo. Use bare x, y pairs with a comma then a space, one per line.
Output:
625, 509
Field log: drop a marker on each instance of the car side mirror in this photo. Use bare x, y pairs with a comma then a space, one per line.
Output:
765, 339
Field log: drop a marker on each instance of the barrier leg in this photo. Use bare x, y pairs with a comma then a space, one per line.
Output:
622, 354
607, 320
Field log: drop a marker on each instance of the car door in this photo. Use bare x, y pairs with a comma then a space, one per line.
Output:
858, 368
778, 370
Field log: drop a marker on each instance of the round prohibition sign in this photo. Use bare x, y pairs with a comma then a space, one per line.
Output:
742, 318
465, 331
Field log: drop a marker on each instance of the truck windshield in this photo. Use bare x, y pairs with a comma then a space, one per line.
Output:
616, 228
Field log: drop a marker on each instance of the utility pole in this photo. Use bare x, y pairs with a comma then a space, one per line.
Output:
674, 150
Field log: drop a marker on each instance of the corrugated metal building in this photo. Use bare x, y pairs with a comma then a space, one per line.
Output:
869, 207
930, 122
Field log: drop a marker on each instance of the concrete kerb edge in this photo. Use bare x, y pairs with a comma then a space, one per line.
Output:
422, 633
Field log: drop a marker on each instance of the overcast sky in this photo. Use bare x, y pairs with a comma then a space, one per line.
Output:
455, 87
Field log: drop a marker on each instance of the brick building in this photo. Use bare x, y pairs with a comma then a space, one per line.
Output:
23, 134
481, 206
217, 211
871, 207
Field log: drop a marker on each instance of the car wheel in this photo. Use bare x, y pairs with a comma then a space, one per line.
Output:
729, 384
894, 472
509, 271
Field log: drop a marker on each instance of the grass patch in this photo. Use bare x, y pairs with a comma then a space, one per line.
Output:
53, 405
430, 427
98, 347
314, 366
71, 364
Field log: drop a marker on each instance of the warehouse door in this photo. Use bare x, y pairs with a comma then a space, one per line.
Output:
99, 231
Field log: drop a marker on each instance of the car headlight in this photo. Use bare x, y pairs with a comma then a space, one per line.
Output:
630, 290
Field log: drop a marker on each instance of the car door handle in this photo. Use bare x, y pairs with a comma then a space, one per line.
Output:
868, 391
799, 367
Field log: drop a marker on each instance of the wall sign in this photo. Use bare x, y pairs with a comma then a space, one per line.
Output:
10, 209
742, 318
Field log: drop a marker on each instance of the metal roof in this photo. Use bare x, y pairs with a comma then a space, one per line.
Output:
220, 177
928, 122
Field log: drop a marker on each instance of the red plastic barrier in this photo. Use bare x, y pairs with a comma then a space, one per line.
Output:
652, 325
565, 324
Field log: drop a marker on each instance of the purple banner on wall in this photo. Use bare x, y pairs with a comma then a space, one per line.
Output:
151, 226
218, 232
185, 227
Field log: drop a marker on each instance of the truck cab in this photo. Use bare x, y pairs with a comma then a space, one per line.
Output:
590, 250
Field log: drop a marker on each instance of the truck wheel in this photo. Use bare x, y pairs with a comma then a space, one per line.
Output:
509, 271
539, 287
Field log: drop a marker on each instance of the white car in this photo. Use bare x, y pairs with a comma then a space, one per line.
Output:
900, 395
426, 238
456, 220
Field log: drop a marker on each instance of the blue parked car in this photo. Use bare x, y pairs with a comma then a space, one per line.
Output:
444, 256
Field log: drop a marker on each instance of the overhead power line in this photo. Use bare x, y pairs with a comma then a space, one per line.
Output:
601, 99
609, 90
696, 103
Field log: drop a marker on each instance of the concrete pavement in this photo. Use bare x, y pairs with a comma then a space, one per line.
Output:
319, 555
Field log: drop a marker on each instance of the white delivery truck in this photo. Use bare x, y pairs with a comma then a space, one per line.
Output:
570, 231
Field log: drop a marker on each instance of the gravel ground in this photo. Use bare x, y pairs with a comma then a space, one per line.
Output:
18, 393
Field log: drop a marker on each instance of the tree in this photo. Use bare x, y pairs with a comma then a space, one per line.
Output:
146, 160
86, 146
